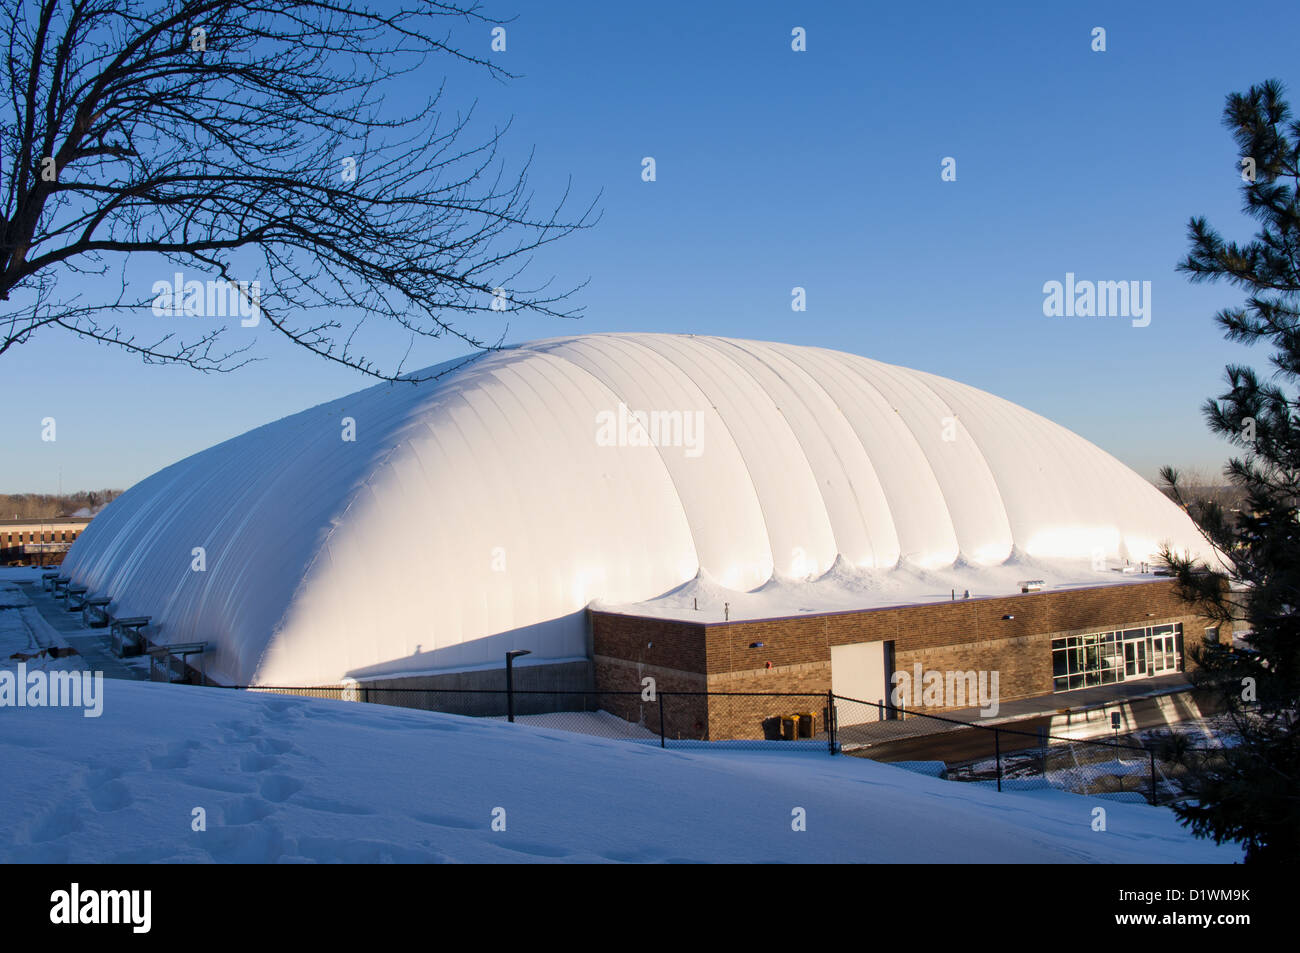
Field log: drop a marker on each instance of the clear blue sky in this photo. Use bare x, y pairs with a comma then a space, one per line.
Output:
818, 169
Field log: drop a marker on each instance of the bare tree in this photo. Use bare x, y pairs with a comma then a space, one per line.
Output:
246, 142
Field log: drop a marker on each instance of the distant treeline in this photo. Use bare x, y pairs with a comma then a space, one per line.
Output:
1231, 498
28, 506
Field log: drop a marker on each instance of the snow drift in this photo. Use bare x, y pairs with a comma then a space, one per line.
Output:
284, 778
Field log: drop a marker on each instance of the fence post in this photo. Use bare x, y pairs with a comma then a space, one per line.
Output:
663, 743
997, 751
830, 718
1151, 753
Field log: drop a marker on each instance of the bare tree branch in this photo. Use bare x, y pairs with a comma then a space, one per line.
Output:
242, 141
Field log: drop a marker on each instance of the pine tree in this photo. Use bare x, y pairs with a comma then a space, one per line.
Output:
1251, 793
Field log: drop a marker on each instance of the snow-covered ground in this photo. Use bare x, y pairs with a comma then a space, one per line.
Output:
282, 778
1210, 731
601, 724
24, 631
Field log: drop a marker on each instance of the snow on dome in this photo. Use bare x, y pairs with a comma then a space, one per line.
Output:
483, 510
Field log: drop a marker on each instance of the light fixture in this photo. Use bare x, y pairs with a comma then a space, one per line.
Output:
510, 680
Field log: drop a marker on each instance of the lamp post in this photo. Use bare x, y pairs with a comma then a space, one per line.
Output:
510, 680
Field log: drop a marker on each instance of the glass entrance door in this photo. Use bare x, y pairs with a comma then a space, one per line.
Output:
1101, 658
1164, 651
1135, 657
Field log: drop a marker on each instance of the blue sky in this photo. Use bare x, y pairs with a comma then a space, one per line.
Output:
818, 169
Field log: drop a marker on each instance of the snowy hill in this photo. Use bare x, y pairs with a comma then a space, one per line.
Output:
291, 779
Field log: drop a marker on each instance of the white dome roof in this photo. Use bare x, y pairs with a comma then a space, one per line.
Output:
483, 510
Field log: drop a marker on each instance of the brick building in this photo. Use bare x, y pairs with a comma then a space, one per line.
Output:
1039, 643
38, 542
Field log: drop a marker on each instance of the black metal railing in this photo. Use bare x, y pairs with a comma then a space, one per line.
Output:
1017, 755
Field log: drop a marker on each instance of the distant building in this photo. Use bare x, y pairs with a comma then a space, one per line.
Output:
38, 542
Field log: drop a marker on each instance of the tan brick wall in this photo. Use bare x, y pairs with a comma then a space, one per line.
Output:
682, 713
809, 638
965, 635
667, 644
733, 716
814, 677
1024, 665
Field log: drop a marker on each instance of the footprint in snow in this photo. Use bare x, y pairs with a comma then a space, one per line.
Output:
273, 746
246, 810
331, 806
110, 796
279, 787
177, 755
253, 762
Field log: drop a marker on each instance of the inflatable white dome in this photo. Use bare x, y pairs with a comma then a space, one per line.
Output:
434, 526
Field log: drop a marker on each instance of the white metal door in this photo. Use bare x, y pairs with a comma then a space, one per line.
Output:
858, 672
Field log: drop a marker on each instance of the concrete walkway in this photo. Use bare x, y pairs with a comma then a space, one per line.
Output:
1081, 699
1021, 713
95, 646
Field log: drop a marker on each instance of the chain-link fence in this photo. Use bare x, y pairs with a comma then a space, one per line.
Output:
1019, 756
1023, 755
